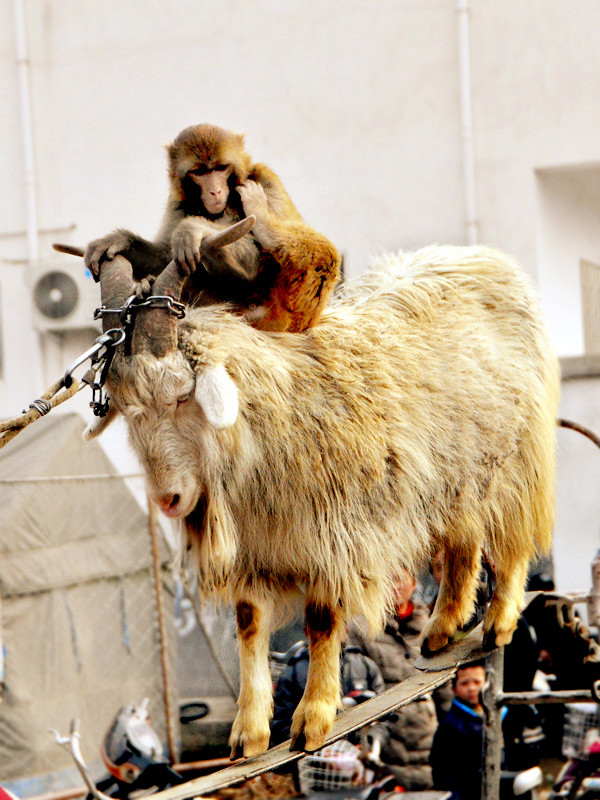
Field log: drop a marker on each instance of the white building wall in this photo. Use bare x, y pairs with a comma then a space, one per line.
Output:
355, 104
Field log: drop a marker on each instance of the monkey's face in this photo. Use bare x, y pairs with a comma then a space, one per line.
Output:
214, 187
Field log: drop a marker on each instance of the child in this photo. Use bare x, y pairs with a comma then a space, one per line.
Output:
457, 751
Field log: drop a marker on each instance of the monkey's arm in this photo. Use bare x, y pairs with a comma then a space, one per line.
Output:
236, 264
147, 258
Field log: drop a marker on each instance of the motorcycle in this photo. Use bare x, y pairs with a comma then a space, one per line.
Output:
132, 753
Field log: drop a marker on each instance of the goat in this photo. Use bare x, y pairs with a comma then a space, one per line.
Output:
418, 414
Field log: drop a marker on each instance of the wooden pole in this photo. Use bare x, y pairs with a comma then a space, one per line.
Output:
162, 632
492, 727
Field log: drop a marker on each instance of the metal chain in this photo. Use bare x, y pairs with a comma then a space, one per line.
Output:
100, 355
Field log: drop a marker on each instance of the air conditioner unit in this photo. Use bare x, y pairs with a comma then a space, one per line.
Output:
63, 297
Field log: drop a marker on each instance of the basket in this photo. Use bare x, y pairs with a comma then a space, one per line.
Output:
335, 768
581, 736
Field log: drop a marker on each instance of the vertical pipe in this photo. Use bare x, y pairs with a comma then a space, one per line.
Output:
492, 728
40, 355
466, 121
26, 132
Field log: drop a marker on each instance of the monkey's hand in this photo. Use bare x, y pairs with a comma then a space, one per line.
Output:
254, 200
186, 243
106, 248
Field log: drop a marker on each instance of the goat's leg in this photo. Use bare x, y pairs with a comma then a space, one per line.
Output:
250, 731
500, 619
456, 598
316, 711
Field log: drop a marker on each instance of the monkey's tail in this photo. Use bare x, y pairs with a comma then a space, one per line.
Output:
69, 249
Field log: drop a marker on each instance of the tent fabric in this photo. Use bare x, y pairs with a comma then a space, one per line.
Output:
79, 617
55, 533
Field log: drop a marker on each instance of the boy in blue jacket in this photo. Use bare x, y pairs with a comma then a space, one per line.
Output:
457, 752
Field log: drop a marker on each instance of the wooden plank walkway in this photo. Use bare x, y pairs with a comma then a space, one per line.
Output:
412, 688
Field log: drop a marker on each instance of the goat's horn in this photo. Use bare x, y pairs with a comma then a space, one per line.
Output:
156, 327
116, 285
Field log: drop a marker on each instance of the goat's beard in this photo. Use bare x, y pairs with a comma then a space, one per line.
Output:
211, 543
194, 521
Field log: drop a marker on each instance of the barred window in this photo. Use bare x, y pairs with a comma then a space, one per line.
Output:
590, 305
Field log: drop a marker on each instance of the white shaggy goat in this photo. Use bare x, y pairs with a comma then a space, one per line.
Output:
418, 414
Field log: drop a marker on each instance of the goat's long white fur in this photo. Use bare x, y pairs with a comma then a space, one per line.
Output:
419, 413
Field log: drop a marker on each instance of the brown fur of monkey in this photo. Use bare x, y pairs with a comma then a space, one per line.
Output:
280, 276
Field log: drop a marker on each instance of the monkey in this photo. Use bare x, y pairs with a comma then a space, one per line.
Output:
280, 276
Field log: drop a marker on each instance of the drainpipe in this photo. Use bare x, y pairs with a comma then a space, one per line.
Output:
40, 354
26, 133
466, 121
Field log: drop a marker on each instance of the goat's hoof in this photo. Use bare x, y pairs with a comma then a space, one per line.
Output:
248, 749
434, 644
493, 639
310, 745
307, 743
489, 640
298, 742
237, 751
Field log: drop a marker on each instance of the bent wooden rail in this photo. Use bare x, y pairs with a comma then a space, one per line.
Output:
412, 688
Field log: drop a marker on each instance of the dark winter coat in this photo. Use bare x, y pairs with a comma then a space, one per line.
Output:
457, 753
406, 747
457, 750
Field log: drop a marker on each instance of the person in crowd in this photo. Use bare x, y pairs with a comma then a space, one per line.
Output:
457, 751
409, 734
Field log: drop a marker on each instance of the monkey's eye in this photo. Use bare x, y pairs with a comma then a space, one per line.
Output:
201, 170
221, 167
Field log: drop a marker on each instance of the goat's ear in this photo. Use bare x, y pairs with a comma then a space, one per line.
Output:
99, 424
217, 396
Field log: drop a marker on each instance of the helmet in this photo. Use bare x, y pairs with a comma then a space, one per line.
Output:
131, 743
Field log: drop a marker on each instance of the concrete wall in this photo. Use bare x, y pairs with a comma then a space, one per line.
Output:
355, 105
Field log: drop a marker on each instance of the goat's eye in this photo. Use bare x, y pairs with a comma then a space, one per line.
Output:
183, 400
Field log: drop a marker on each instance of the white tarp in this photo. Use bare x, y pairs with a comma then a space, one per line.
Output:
79, 618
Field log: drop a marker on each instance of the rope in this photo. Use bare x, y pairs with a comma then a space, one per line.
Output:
39, 408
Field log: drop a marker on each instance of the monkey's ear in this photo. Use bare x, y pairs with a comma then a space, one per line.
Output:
217, 396
99, 424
